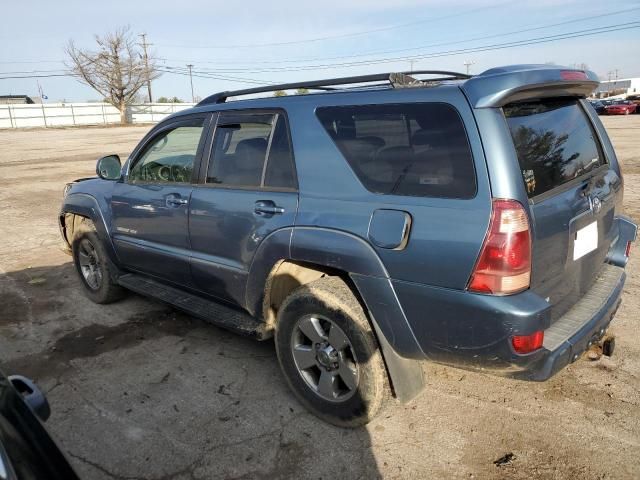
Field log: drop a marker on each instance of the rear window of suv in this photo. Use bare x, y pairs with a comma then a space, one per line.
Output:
417, 149
554, 141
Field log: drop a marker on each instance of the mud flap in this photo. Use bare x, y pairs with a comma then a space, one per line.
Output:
406, 375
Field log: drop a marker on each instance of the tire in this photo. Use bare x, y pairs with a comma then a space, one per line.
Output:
344, 380
93, 265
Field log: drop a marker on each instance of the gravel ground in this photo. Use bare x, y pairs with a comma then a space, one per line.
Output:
140, 391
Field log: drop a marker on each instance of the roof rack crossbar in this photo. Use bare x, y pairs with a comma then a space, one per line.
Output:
221, 97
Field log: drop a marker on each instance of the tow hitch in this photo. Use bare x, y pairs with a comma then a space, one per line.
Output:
604, 346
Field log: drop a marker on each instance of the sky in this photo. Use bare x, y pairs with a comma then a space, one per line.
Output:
240, 44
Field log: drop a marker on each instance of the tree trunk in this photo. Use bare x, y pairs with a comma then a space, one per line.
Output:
123, 113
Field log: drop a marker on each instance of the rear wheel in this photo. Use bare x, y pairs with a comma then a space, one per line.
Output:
93, 266
329, 354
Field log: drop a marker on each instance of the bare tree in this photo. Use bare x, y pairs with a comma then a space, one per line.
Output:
117, 70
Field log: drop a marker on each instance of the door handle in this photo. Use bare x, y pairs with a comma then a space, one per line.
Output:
267, 207
174, 200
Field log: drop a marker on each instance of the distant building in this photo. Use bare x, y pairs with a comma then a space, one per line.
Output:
15, 99
621, 86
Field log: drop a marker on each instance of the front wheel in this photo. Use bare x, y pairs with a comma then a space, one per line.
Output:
93, 266
329, 354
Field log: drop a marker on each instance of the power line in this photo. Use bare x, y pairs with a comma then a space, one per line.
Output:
366, 54
490, 47
532, 41
57, 70
173, 70
343, 35
41, 76
441, 44
219, 74
30, 61
212, 76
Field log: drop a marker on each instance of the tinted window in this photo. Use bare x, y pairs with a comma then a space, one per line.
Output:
240, 149
169, 157
554, 142
280, 172
242, 144
404, 149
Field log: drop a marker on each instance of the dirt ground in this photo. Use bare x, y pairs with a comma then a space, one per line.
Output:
140, 391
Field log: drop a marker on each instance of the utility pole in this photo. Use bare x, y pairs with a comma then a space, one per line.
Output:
146, 63
411, 62
193, 98
42, 99
468, 63
612, 91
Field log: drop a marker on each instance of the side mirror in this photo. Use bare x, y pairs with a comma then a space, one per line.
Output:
108, 168
32, 396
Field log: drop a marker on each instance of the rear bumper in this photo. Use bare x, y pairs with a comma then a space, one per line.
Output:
581, 327
474, 331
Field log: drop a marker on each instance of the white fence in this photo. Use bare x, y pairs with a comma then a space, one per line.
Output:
68, 114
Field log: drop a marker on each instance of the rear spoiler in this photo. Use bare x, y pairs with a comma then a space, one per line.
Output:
499, 86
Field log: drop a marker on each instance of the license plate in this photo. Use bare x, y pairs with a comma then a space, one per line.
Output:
586, 240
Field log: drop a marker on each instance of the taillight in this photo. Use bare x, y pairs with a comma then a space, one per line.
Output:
527, 343
504, 264
627, 250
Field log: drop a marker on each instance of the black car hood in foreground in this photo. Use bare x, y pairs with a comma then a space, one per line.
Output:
27, 452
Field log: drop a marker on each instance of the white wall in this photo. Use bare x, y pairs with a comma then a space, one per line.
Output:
68, 114
630, 85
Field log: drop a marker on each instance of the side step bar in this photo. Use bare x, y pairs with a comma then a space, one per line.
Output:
218, 314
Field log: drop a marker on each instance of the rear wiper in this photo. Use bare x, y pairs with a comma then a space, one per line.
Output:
587, 187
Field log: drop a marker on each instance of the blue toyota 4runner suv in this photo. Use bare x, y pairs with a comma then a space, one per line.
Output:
474, 221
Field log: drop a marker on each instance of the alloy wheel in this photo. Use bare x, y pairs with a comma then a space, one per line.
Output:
89, 262
324, 358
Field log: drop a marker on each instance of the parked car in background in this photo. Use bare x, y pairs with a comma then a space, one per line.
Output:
635, 99
598, 106
474, 221
620, 107
27, 452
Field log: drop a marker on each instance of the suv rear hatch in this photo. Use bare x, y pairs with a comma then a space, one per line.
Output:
572, 192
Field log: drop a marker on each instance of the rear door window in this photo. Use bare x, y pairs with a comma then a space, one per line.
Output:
404, 149
252, 150
554, 141
240, 149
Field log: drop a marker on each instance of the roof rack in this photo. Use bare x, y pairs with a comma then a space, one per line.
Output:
395, 79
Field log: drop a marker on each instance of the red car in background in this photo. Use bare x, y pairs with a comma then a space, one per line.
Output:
635, 99
620, 107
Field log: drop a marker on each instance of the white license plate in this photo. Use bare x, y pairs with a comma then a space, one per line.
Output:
586, 240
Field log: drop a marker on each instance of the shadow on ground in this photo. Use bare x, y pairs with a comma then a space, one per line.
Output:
139, 390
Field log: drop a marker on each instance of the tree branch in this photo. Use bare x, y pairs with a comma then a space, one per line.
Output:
116, 70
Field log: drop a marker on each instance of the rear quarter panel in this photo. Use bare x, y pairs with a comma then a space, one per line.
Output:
446, 234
